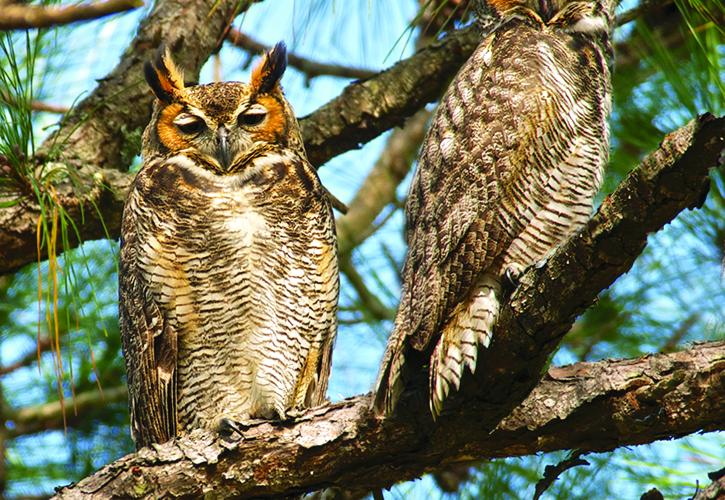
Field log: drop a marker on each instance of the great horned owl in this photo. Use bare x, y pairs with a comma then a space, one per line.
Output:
228, 268
508, 170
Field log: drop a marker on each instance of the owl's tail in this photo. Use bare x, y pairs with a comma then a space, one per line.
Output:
389, 385
471, 325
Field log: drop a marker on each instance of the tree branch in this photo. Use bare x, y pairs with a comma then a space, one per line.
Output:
20, 17
552, 472
593, 406
42, 345
310, 68
29, 420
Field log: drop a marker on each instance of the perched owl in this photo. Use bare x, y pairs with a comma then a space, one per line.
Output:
228, 268
508, 170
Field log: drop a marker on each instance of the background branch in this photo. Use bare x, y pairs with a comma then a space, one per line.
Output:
309, 67
49, 416
20, 16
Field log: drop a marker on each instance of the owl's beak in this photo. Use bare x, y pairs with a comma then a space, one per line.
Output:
222, 147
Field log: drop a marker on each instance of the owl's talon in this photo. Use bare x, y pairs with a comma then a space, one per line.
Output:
228, 428
294, 414
511, 281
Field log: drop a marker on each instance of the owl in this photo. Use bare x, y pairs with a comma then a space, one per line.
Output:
228, 267
509, 169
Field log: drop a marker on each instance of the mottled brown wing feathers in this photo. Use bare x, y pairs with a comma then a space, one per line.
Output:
150, 348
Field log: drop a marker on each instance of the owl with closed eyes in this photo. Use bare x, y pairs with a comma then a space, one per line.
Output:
508, 170
228, 280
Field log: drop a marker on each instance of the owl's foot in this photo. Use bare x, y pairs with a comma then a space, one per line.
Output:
294, 414
228, 428
511, 276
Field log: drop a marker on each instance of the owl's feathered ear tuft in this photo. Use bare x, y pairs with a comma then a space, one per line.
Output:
267, 74
164, 77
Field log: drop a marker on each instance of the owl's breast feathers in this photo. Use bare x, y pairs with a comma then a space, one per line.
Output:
242, 270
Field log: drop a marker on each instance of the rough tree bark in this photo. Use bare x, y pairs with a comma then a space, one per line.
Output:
342, 444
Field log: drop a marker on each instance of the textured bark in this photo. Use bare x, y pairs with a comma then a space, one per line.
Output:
105, 128
590, 406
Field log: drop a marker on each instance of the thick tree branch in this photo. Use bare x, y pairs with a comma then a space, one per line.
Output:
591, 406
20, 17
651, 398
310, 68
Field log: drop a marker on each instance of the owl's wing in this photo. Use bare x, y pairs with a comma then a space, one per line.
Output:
320, 362
449, 241
149, 347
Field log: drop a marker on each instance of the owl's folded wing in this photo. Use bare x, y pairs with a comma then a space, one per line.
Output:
150, 348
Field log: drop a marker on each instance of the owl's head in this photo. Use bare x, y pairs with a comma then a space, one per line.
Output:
220, 126
578, 16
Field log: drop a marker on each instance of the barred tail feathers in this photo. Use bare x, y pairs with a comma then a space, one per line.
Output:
389, 385
471, 325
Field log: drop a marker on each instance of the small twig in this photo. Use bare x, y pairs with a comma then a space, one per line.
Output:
552, 472
48, 107
35, 105
18, 16
310, 68
369, 300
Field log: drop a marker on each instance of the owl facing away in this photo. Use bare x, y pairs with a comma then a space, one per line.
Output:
228, 280
508, 170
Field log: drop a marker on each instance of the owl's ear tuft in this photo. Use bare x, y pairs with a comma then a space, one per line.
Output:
267, 74
163, 76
